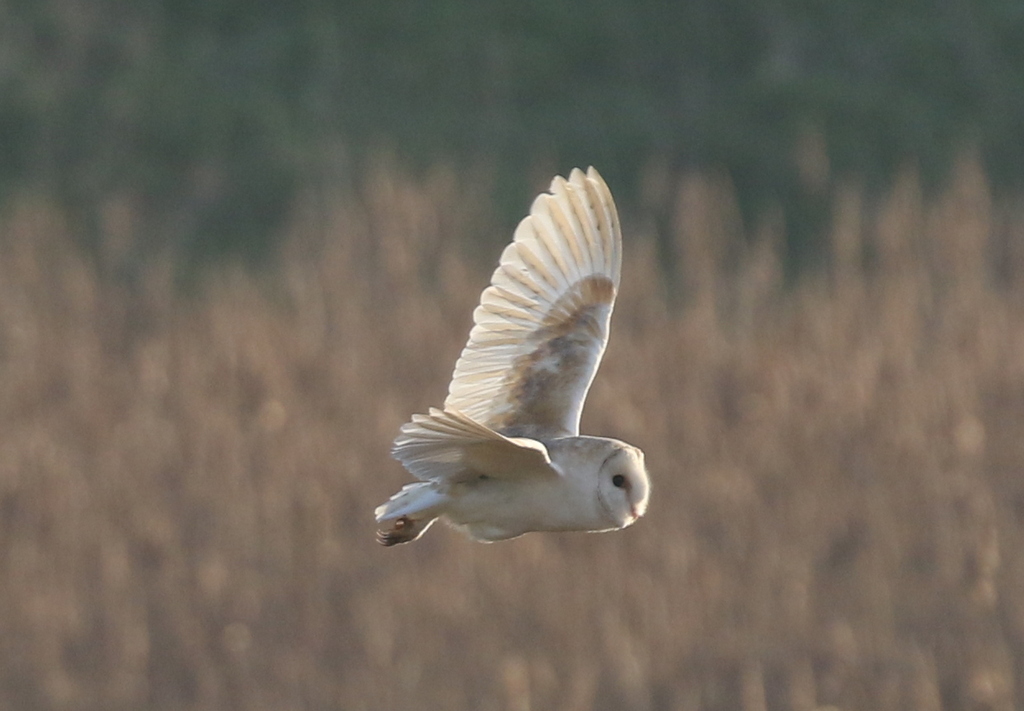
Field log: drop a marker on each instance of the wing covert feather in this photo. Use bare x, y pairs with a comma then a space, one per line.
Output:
449, 447
542, 325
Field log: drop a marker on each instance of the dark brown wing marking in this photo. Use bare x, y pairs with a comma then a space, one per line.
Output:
548, 385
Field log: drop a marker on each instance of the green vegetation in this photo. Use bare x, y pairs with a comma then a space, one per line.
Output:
212, 117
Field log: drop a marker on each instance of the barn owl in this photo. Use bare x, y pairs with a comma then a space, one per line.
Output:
504, 456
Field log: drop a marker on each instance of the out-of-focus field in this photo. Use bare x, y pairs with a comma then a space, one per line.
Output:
187, 482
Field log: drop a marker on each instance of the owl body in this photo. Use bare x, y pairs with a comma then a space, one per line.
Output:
581, 498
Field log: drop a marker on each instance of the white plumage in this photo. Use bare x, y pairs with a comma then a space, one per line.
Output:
504, 456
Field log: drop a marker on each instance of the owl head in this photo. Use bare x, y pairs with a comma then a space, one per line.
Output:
623, 485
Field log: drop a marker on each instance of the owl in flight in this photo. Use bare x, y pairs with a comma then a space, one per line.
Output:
504, 456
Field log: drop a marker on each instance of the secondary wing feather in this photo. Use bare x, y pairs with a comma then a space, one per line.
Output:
542, 325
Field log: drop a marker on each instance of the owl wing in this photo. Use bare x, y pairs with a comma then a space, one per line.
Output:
542, 325
449, 447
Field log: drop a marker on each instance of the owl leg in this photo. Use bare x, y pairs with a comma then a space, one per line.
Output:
403, 530
409, 513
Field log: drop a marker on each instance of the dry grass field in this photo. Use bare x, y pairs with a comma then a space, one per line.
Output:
837, 521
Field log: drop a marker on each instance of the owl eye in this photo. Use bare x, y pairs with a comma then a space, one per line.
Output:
618, 481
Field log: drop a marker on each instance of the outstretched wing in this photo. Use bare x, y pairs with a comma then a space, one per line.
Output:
448, 446
542, 325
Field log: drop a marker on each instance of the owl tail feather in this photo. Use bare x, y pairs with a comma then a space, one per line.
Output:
409, 513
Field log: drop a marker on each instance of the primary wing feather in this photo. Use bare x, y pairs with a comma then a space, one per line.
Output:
542, 325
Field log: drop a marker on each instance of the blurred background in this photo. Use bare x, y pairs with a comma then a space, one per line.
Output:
241, 242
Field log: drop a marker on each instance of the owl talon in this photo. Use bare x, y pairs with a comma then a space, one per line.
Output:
403, 530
